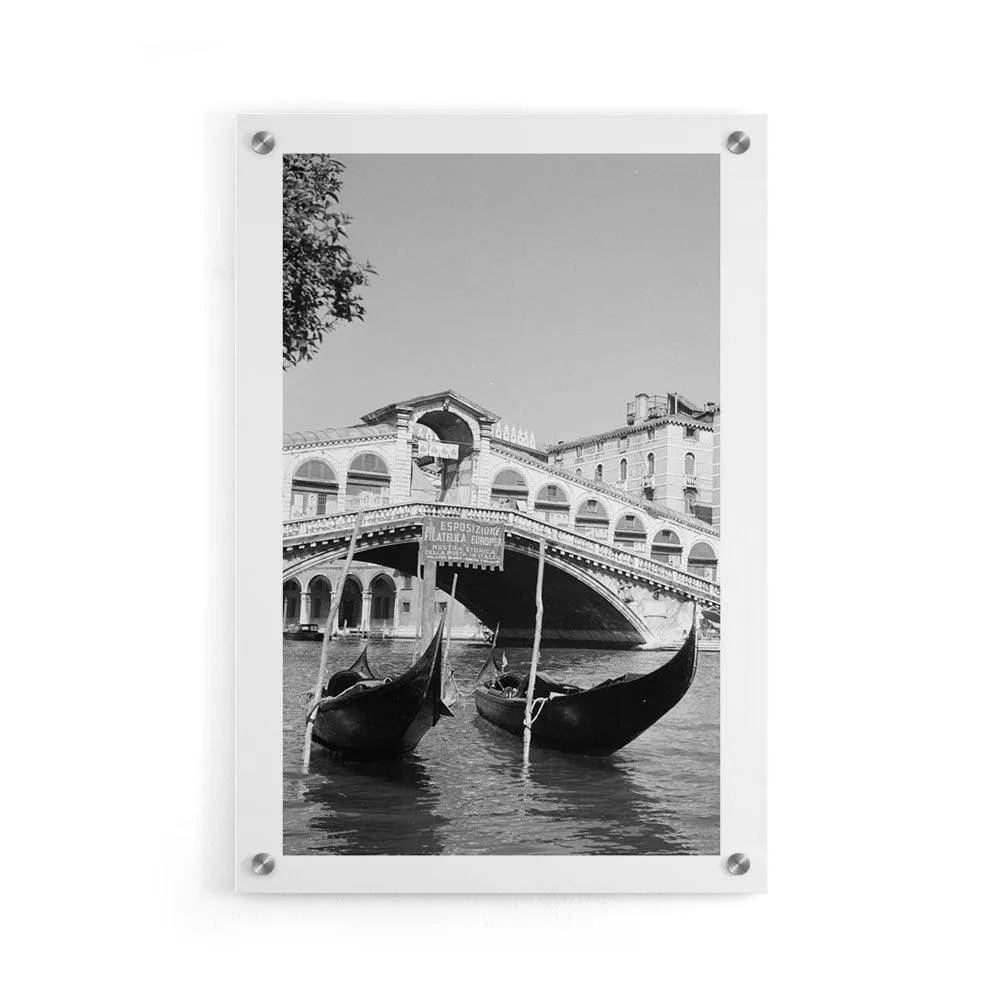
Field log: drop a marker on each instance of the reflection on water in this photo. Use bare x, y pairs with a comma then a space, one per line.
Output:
463, 790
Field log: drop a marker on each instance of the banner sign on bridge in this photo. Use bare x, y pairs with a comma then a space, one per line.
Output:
436, 449
462, 540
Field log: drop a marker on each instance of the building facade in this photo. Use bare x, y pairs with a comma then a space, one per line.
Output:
443, 451
376, 601
666, 453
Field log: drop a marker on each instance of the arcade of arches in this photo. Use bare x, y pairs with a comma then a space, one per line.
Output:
375, 600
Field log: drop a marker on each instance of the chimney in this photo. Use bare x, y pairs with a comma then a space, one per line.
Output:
641, 407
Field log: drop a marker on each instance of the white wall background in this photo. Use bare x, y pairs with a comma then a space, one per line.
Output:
117, 395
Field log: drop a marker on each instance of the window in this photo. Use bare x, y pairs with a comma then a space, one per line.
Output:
650, 433
314, 489
510, 489
623, 470
406, 607
667, 548
691, 432
442, 607
599, 474
630, 532
600, 448
650, 464
579, 472
689, 464
367, 480
579, 452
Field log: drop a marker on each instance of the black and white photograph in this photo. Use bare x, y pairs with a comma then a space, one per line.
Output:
502, 569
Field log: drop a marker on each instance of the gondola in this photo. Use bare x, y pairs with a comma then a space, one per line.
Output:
592, 721
362, 718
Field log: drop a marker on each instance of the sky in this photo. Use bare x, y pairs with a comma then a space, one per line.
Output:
549, 289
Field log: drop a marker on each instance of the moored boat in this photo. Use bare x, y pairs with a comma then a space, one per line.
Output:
594, 721
365, 718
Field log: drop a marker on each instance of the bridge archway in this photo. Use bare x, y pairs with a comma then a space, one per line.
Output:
630, 532
320, 595
702, 561
666, 548
510, 489
592, 519
291, 595
349, 615
314, 489
581, 608
368, 480
448, 427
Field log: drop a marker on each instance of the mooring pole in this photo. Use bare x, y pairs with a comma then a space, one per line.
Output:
331, 623
449, 689
539, 610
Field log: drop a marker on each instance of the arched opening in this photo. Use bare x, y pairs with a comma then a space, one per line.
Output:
383, 611
552, 505
510, 489
314, 489
592, 520
666, 548
319, 599
443, 446
689, 464
650, 464
367, 481
349, 615
623, 470
291, 594
630, 532
702, 561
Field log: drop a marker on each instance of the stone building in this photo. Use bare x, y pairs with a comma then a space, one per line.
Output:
666, 453
376, 601
650, 526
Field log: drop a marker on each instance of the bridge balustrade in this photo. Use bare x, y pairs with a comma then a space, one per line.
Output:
523, 523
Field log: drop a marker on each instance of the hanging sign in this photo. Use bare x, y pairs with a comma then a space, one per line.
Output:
436, 449
478, 544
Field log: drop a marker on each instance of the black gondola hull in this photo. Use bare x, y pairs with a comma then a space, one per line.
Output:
386, 721
601, 720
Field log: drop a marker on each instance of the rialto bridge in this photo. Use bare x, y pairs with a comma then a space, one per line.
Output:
619, 571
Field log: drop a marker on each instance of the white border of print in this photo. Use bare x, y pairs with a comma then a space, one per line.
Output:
258, 511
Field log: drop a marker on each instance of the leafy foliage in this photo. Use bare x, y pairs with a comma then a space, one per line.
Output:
321, 280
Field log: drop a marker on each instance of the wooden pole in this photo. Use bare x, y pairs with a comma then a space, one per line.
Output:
331, 622
427, 609
419, 618
539, 609
449, 689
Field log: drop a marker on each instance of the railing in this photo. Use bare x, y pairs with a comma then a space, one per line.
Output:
305, 528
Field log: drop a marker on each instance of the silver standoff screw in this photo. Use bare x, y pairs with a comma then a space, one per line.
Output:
263, 864
736, 142
262, 142
738, 864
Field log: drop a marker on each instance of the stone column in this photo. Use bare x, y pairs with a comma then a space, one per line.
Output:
399, 488
366, 611
305, 608
480, 480
395, 612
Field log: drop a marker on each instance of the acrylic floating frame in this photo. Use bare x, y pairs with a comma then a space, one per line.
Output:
259, 767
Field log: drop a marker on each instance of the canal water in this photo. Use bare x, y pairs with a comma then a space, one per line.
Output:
463, 791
